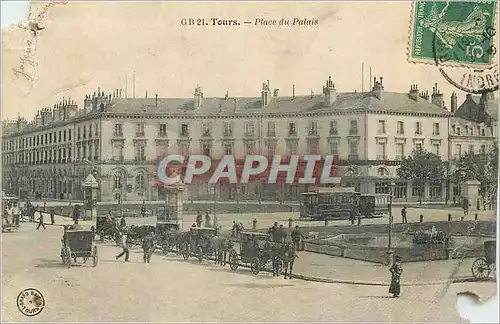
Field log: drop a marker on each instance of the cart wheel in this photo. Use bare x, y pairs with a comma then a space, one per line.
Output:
280, 266
255, 266
493, 271
95, 256
480, 269
68, 257
164, 248
233, 260
185, 251
200, 254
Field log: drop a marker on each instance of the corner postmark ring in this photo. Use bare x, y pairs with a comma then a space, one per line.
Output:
30, 302
477, 73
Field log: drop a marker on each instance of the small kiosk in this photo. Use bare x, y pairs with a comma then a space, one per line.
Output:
89, 188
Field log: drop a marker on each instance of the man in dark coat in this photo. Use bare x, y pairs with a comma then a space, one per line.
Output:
199, 219
40, 221
52, 215
297, 237
396, 271
148, 244
466, 206
274, 232
281, 235
403, 215
123, 222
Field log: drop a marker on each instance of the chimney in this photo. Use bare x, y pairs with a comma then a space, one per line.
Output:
120, 93
265, 94
425, 95
329, 92
226, 95
276, 91
378, 88
234, 105
198, 95
156, 100
437, 97
453, 102
414, 92
146, 93
293, 92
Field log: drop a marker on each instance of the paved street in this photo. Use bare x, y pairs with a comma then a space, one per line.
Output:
170, 289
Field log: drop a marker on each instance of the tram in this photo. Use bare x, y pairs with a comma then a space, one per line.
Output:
342, 203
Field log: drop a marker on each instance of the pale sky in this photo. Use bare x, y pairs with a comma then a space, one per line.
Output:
87, 45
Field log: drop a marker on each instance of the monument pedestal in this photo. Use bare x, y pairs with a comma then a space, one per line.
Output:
470, 190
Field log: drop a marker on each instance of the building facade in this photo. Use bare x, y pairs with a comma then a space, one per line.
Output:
119, 140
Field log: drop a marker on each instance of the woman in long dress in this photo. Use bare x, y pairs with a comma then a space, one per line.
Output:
396, 271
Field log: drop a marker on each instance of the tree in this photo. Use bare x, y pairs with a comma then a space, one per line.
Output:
422, 167
482, 167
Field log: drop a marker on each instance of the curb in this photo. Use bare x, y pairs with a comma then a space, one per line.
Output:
376, 283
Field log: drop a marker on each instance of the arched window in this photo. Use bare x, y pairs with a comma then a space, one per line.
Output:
117, 180
101, 107
382, 172
139, 181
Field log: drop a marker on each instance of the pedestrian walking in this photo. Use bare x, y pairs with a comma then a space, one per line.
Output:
40, 221
403, 215
52, 215
148, 244
396, 271
123, 243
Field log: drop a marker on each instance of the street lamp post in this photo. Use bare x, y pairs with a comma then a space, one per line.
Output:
389, 245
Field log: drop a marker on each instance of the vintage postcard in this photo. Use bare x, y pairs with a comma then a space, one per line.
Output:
249, 161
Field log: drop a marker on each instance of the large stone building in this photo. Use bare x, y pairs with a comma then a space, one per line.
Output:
119, 139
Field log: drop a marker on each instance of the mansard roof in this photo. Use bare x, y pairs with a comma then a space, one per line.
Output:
367, 101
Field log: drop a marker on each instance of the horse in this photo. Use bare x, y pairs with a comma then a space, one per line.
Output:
221, 246
283, 257
288, 258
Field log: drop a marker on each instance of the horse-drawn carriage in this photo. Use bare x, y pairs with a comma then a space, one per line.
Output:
168, 236
78, 243
106, 227
136, 233
484, 267
257, 250
199, 242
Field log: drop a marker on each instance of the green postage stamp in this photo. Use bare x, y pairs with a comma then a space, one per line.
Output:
453, 33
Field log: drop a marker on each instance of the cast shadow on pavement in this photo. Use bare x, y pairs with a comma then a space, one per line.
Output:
379, 297
258, 286
51, 263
